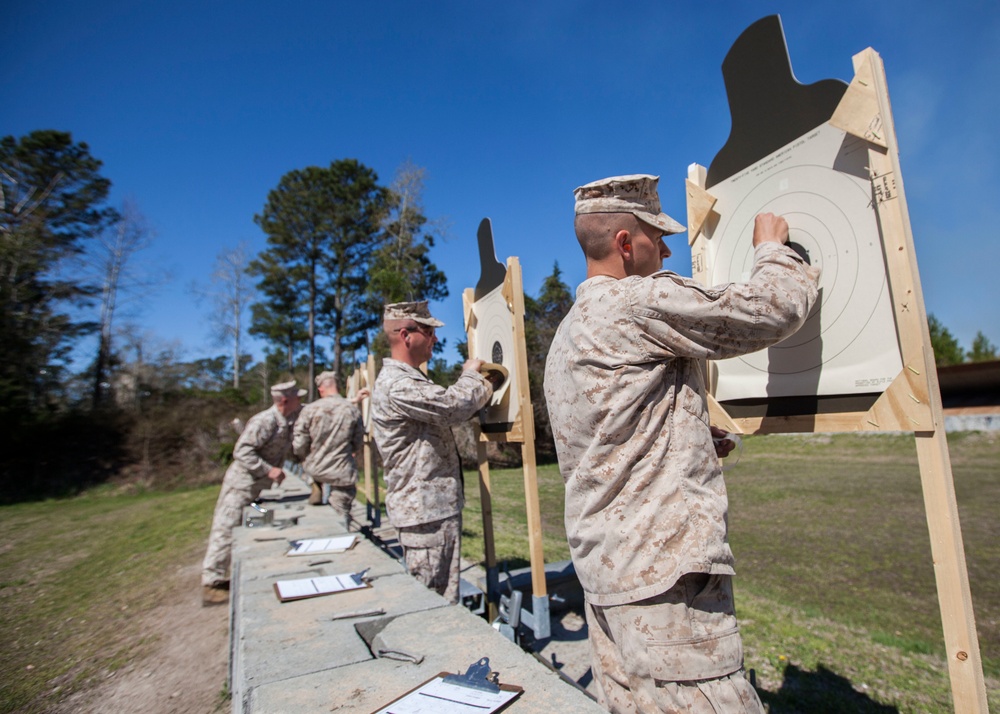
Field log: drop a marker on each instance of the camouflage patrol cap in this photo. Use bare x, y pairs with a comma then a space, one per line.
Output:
635, 194
324, 376
416, 311
287, 389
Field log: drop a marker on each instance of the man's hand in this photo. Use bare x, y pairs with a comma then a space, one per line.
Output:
722, 445
495, 377
276, 475
472, 364
769, 228
362, 394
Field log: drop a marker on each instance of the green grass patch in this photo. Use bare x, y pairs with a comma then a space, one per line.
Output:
77, 573
510, 520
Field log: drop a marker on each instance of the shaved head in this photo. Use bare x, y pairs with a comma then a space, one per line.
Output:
595, 232
392, 328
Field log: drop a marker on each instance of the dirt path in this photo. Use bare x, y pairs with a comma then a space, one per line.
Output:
186, 671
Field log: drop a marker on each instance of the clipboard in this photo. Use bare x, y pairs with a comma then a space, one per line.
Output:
322, 546
471, 693
304, 588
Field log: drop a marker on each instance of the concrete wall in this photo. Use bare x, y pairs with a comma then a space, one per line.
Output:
294, 657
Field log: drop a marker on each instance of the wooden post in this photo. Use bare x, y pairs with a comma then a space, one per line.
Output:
489, 547
968, 686
371, 478
539, 587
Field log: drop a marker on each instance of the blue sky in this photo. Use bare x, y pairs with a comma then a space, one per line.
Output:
198, 109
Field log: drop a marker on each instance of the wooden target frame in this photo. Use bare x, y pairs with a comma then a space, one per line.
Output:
521, 430
912, 402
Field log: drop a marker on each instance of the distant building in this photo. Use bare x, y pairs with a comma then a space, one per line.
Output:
970, 395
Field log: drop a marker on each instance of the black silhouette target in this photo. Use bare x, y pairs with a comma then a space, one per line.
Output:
820, 186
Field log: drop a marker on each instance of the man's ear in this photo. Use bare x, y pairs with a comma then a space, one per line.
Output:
623, 244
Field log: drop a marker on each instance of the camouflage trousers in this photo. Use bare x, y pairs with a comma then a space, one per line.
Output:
677, 652
340, 498
431, 552
236, 494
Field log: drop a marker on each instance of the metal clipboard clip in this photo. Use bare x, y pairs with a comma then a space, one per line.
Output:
477, 676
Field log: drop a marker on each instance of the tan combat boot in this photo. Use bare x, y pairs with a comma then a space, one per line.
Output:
214, 595
316, 496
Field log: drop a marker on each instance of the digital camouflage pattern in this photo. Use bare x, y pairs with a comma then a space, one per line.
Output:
265, 442
340, 498
432, 553
677, 652
326, 435
412, 419
636, 194
645, 498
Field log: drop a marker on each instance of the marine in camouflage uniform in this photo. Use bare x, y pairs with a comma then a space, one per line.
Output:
646, 507
328, 433
260, 451
412, 419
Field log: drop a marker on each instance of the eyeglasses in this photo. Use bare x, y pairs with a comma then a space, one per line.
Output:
425, 330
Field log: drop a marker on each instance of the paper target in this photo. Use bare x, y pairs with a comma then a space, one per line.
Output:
494, 342
848, 345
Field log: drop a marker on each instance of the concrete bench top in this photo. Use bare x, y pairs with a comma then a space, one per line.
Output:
295, 657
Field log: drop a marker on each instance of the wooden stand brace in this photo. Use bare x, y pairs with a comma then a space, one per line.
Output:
364, 377
522, 431
912, 402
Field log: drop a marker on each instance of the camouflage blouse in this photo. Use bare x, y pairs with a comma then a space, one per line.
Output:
265, 442
412, 419
645, 498
327, 433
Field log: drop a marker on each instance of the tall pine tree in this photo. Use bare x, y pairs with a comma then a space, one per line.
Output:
322, 224
279, 318
401, 269
51, 203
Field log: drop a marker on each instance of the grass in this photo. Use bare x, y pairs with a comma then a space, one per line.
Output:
74, 576
835, 587
835, 583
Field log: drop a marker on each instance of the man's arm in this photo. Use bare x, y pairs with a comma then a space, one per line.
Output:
682, 318
428, 402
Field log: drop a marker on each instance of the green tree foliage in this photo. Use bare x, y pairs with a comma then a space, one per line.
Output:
322, 225
982, 349
51, 204
280, 317
946, 348
401, 269
542, 316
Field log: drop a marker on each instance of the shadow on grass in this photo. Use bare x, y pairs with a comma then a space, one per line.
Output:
819, 692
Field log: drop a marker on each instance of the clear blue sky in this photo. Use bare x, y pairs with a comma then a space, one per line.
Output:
197, 109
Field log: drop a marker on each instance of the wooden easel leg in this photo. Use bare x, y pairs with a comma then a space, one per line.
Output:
535, 550
965, 665
371, 487
490, 553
